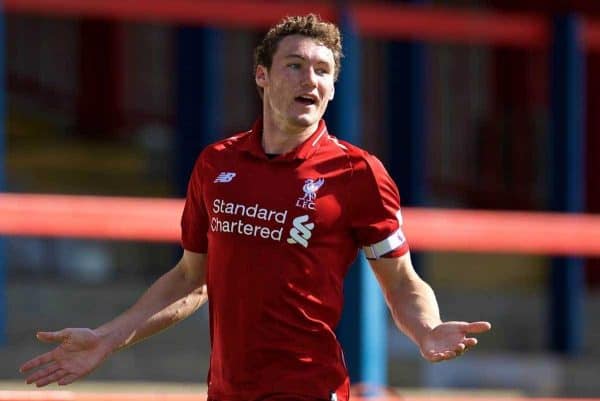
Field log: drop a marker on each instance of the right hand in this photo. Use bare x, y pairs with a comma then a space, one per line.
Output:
78, 353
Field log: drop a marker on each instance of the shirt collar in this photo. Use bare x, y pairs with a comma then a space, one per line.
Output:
306, 149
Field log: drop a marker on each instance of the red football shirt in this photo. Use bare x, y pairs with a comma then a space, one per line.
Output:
280, 234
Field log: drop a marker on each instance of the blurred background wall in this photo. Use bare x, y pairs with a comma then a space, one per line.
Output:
92, 109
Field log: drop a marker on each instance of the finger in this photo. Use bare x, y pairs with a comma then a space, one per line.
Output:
433, 356
460, 349
51, 336
51, 378
68, 379
430, 354
449, 354
35, 362
50, 369
478, 327
470, 342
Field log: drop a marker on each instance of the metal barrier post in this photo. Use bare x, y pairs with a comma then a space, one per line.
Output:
406, 118
567, 170
406, 123
2, 179
199, 96
362, 330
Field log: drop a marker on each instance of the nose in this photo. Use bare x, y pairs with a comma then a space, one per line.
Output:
309, 78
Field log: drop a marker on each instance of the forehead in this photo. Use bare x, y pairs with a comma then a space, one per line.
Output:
303, 46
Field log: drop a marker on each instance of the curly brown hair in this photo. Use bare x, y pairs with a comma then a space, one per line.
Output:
310, 25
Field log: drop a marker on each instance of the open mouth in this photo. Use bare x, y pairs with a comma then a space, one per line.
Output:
305, 100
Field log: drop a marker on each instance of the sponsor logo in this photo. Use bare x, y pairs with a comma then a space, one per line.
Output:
225, 176
254, 211
244, 219
301, 232
310, 189
255, 220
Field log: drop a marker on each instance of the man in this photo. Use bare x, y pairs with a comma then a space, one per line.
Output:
273, 219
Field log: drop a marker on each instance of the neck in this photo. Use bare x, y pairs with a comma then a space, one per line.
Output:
279, 138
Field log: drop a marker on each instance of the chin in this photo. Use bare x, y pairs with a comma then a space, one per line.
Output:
305, 120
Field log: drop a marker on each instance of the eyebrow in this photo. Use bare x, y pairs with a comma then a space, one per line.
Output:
294, 55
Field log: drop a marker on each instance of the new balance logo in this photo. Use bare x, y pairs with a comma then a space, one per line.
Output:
225, 177
301, 233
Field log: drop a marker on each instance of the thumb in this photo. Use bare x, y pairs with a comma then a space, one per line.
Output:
51, 336
478, 327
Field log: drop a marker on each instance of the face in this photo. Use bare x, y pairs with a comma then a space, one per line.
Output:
299, 84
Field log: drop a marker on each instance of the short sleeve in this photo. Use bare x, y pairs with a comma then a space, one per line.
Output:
376, 219
194, 221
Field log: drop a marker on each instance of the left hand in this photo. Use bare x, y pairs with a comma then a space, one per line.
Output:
449, 340
79, 352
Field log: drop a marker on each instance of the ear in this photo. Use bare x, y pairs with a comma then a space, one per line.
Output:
332, 93
261, 76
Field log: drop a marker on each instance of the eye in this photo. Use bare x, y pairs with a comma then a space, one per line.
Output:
294, 66
322, 71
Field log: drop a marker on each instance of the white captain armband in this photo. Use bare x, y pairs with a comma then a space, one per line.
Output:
377, 250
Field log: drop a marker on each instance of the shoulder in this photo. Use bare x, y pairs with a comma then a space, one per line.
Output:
230, 144
362, 163
372, 193
214, 155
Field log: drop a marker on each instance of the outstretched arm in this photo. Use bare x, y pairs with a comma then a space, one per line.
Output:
172, 298
414, 308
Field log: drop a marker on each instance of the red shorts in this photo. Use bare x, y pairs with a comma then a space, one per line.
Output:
283, 397
289, 397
